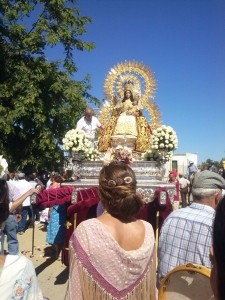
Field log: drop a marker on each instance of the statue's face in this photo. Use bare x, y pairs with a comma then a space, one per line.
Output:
127, 94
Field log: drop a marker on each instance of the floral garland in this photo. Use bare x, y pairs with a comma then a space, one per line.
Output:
76, 141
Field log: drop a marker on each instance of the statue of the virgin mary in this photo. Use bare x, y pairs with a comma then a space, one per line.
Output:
126, 124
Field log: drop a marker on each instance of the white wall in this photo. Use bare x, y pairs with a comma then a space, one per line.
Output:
182, 162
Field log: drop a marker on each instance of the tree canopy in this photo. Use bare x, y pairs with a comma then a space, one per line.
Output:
206, 165
39, 101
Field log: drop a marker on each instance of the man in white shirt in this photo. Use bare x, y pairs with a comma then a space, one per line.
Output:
89, 124
184, 184
11, 225
23, 185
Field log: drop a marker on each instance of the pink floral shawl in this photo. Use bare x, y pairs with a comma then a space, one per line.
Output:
101, 269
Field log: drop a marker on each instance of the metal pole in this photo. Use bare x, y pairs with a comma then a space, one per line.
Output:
33, 203
33, 229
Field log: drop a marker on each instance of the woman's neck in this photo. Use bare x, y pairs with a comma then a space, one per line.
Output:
122, 220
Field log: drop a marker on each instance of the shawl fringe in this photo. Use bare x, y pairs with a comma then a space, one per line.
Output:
145, 289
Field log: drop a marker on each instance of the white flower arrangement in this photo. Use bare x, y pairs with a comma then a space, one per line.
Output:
160, 156
164, 138
164, 141
3, 166
76, 141
91, 154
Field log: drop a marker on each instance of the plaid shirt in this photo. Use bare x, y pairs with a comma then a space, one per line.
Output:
186, 237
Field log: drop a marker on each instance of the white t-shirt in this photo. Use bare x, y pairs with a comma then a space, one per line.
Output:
89, 127
23, 186
184, 182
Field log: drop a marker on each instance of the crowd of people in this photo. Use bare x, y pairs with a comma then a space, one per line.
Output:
119, 265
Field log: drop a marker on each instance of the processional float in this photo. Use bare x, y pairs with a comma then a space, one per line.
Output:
127, 137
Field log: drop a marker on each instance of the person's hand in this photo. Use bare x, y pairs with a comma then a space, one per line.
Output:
137, 113
32, 191
102, 129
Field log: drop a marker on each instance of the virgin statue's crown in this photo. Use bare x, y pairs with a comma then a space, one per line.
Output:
128, 86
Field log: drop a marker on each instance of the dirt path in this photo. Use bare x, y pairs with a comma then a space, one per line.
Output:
52, 274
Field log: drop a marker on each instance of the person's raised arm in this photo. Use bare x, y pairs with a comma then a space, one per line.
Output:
19, 201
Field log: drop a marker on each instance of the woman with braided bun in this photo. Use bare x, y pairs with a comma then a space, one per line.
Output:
113, 256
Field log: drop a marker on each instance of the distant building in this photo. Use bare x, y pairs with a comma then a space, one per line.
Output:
180, 163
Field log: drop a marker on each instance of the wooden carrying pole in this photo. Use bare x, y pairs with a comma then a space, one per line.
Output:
157, 238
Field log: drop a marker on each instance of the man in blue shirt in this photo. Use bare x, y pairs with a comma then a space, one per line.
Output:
192, 169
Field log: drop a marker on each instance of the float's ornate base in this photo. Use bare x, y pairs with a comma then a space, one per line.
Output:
149, 176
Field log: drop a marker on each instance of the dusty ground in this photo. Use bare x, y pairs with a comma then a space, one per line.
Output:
52, 274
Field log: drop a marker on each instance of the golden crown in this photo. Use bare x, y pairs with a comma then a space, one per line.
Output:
128, 86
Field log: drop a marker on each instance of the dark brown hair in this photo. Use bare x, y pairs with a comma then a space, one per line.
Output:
131, 96
4, 201
119, 199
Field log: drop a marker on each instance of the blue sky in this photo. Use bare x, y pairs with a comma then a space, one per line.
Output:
183, 43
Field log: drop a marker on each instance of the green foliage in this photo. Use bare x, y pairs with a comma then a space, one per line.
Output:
39, 101
209, 162
28, 27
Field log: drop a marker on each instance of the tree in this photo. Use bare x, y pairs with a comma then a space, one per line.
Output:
208, 164
39, 101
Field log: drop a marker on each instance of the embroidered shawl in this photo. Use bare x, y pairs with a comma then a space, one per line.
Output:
101, 269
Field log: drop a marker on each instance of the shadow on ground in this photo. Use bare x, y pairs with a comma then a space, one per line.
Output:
62, 277
44, 265
49, 253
